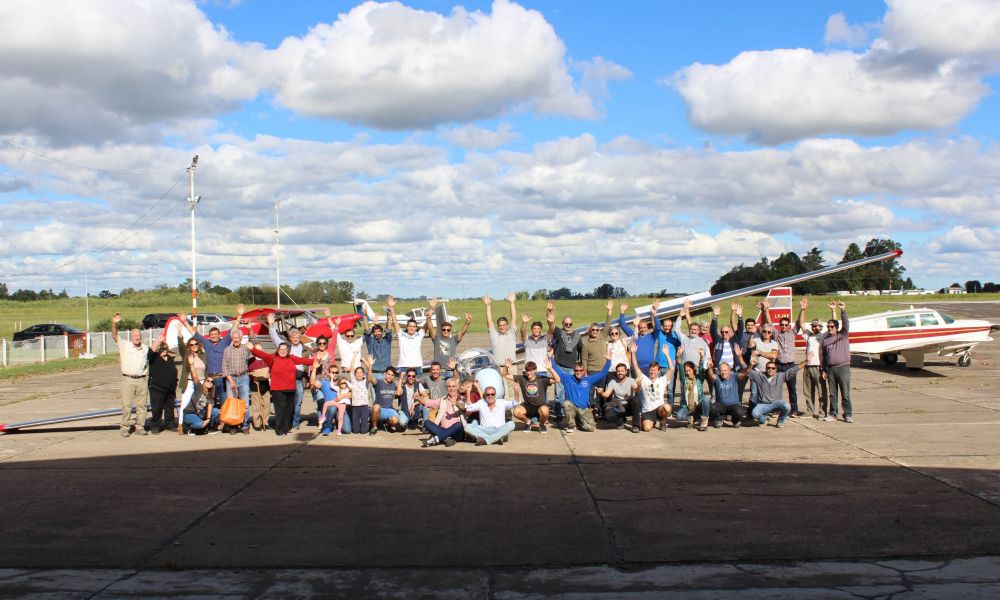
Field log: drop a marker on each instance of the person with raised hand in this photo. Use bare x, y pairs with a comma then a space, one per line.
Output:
134, 387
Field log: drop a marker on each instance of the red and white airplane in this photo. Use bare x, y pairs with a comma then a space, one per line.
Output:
911, 332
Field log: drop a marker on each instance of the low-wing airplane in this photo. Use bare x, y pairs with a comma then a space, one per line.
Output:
912, 332
362, 307
310, 321
480, 363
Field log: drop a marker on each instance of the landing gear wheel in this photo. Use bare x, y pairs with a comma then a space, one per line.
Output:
965, 360
889, 358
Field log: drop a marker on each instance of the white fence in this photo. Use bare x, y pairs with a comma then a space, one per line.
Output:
59, 347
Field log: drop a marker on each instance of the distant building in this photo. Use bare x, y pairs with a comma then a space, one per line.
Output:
954, 289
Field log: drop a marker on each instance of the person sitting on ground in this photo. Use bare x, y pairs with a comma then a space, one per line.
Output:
434, 381
493, 426
619, 396
694, 393
531, 390
727, 392
767, 350
335, 417
577, 385
202, 413
693, 349
384, 412
654, 387
162, 386
469, 392
769, 386
445, 422
408, 390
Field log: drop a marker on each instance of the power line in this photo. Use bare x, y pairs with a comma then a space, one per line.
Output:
79, 166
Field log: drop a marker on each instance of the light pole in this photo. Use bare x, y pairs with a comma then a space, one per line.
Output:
192, 203
277, 257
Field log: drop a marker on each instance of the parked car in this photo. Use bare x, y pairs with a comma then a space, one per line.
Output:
45, 330
212, 320
156, 320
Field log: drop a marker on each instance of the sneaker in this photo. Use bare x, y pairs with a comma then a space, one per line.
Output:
779, 424
191, 433
214, 432
141, 431
431, 441
793, 415
569, 430
635, 429
326, 431
663, 426
717, 424
737, 424
480, 442
449, 442
373, 431
829, 418
689, 423
543, 429
505, 438
848, 419
799, 413
125, 433
621, 425
499, 442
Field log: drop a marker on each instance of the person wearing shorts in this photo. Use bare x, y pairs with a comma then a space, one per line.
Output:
531, 390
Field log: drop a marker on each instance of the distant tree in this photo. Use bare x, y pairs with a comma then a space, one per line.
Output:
990, 288
619, 293
813, 261
973, 287
604, 291
908, 284
24, 295
522, 295
127, 292
3, 291
851, 280
218, 289
563, 293
541, 294
887, 274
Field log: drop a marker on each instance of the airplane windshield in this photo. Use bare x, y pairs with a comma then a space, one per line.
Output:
946, 318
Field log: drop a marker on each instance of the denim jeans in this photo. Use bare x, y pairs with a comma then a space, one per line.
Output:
793, 394
330, 421
489, 434
384, 414
243, 393
300, 392
704, 409
839, 380
196, 423
455, 431
761, 411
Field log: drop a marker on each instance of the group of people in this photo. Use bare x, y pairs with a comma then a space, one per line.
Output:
643, 372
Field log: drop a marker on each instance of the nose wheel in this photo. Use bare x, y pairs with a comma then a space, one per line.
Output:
965, 360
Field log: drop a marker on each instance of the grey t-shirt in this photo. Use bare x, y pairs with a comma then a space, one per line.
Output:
504, 345
763, 346
435, 389
444, 348
689, 349
622, 390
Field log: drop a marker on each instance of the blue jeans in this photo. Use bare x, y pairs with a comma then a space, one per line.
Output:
219, 390
455, 431
489, 434
300, 392
330, 422
705, 407
196, 423
243, 393
761, 411
384, 414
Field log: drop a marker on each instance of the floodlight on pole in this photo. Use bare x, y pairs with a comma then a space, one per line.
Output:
192, 203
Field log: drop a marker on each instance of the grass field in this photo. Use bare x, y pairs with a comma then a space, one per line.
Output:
71, 310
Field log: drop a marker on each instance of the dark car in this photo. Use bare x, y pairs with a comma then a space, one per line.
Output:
156, 320
46, 329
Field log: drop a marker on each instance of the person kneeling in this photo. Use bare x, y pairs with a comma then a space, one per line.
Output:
493, 426
197, 411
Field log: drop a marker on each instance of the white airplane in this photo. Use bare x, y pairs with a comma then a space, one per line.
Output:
914, 332
911, 332
362, 307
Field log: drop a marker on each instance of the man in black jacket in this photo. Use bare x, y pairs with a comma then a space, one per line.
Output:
162, 387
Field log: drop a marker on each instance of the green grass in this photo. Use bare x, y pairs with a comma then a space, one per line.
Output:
71, 310
55, 366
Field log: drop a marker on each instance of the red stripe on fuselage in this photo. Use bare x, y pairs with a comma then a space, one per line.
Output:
902, 333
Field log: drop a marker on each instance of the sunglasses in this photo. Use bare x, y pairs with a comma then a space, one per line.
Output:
489, 395
772, 368
320, 343
614, 334
349, 336
567, 324
446, 329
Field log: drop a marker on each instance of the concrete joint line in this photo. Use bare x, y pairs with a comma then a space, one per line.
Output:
612, 538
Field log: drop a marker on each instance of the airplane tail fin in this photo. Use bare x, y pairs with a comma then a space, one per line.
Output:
780, 299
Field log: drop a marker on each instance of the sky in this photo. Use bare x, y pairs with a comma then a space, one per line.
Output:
434, 148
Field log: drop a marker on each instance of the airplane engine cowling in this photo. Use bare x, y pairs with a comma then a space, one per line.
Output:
490, 377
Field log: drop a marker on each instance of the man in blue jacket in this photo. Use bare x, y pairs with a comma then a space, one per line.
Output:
576, 386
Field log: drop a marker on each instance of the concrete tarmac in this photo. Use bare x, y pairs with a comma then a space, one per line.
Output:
912, 486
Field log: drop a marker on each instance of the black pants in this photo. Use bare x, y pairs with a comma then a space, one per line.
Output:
360, 415
721, 411
284, 405
793, 395
161, 403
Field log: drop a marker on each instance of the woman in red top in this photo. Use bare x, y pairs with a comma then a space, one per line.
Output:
283, 373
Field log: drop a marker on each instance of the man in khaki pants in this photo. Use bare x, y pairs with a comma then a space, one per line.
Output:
135, 388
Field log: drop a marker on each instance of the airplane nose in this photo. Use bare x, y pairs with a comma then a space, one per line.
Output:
994, 327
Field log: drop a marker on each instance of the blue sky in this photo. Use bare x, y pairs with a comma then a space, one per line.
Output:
461, 149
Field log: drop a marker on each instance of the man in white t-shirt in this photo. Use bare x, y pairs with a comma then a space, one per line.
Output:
654, 388
493, 426
409, 340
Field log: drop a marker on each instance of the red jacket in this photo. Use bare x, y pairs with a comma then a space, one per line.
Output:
282, 369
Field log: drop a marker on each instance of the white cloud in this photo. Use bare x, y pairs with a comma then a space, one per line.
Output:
926, 72
839, 31
390, 66
474, 137
93, 71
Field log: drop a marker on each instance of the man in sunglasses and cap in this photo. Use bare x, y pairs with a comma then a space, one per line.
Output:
816, 397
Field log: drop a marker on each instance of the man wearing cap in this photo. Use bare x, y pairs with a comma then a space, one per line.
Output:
813, 378
134, 387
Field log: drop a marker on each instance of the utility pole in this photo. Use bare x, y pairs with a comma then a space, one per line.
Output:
192, 203
277, 256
